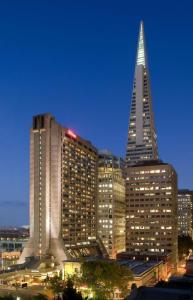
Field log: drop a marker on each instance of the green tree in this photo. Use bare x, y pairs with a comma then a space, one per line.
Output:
104, 277
56, 285
70, 293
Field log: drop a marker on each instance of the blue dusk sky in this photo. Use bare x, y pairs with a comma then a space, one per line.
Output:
76, 59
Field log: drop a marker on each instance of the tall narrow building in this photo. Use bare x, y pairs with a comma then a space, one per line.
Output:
45, 190
111, 203
79, 193
142, 140
63, 189
151, 185
185, 218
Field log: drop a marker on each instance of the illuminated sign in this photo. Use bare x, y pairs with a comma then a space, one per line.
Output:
71, 134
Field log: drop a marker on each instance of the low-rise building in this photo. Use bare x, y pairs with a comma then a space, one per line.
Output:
175, 288
152, 293
144, 272
12, 242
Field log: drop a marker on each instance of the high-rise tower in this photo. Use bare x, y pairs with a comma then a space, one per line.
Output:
151, 211
151, 185
142, 140
45, 190
63, 189
111, 202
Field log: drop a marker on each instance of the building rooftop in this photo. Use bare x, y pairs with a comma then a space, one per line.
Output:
185, 191
92, 250
139, 268
149, 163
149, 293
14, 233
182, 279
142, 257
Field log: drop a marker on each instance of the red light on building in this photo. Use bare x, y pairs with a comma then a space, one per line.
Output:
71, 134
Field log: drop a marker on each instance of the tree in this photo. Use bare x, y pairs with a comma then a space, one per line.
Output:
104, 277
40, 297
133, 286
70, 293
56, 284
185, 243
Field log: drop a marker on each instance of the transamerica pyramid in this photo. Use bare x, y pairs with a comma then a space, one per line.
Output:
142, 139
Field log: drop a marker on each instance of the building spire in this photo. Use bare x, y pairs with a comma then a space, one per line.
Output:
141, 51
142, 139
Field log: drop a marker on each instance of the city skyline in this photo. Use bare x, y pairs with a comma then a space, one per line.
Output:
79, 76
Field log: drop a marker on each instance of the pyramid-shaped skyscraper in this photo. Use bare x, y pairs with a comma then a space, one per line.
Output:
142, 139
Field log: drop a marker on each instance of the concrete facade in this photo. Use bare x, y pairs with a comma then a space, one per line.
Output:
45, 189
151, 210
63, 189
142, 139
79, 190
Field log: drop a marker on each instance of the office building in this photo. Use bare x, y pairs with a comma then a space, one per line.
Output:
151, 185
151, 210
111, 203
185, 207
142, 139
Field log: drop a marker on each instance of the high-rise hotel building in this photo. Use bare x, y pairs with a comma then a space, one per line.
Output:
111, 203
79, 190
63, 185
151, 185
